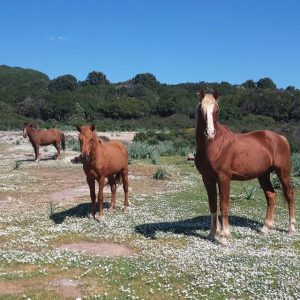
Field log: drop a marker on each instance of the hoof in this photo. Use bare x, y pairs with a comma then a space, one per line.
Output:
223, 242
112, 209
292, 230
264, 230
211, 237
91, 216
100, 219
126, 209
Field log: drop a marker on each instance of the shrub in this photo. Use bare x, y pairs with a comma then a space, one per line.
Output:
295, 158
295, 182
73, 144
160, 174
138, 150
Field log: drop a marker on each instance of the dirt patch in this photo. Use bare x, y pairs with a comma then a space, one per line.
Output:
10, 288
67, 288
104, 249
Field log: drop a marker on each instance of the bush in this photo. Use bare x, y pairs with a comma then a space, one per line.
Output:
160, 174
295, 182
138, 150
72, 144
295, 158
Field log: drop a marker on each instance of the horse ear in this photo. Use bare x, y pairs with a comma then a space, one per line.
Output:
216, 94
202, 94
93, 127
78, 127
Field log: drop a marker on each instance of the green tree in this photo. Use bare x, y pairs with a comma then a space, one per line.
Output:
266, 83
147, 80
249, 84
96, 78
126, 108
63, 83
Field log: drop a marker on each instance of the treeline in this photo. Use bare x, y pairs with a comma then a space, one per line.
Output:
141, 102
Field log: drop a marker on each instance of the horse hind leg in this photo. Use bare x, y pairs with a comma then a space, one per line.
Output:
113, 188
284, 177
57, 147
124, 174
270, 195
91, 183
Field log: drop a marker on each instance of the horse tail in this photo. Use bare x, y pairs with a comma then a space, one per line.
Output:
63, 141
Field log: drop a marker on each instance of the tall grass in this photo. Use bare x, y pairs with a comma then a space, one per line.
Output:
142, 150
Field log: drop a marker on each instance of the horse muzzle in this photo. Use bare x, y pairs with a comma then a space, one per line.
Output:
85, 157
210, 135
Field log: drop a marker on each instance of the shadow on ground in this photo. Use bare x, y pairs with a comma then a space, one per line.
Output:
190, 227
80, 211
33, 159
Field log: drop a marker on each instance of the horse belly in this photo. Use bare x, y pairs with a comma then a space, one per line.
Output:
249, 165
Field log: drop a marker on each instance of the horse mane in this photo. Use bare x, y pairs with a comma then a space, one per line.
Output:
29, 124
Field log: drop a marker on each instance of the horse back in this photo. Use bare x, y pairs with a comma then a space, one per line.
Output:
50, 136
252, 154
271, 141
116, 152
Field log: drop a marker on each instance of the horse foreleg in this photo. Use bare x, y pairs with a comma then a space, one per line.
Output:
91, 183
124, 175
224, 189
270, 195
36, 148
101, 197
113, 188
211, 189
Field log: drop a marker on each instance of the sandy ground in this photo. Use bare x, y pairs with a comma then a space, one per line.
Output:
26, 185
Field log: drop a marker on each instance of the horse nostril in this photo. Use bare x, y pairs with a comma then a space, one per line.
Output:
85, 157
205, 132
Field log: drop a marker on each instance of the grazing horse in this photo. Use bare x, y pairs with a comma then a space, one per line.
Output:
103, 160
38, 137
223, 156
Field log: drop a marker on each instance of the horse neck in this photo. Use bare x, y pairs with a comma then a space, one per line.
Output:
96, 146
31, 131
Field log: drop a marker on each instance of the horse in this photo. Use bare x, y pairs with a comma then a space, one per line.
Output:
103, 160
222, 156
38, 137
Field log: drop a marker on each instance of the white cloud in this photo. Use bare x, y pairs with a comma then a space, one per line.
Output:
56, 38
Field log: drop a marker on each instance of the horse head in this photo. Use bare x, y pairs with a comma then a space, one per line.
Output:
208, 113
26, 128
86, 137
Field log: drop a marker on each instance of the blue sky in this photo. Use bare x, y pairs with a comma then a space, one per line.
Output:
177, 41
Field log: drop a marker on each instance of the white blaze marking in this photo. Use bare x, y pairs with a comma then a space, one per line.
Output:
207, 106
210, 121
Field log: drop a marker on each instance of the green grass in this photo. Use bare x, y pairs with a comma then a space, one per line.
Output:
166, 228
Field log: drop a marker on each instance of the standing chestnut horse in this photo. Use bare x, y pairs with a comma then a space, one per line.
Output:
100, 160
223, 156
46, 137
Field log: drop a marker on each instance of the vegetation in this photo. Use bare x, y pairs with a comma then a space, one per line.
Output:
165, 229
142, 103
160, 174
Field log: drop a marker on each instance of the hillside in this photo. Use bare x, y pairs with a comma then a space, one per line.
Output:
141, 103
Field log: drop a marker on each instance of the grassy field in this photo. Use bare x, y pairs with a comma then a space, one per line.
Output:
44, 206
